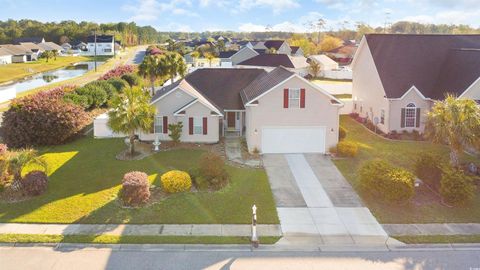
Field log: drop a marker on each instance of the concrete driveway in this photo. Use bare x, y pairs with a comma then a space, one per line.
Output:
314, 200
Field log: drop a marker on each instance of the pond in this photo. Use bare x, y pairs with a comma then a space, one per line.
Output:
9, 91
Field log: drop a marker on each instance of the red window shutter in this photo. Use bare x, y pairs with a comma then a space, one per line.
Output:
302, 98
285, 98
205, 128
190, 125
165, 124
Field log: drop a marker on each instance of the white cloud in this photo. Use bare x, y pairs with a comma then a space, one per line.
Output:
217, 3
174, 27
276, 5
150, 10
447, 17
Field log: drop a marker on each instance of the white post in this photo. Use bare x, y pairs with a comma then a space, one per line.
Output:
255, 241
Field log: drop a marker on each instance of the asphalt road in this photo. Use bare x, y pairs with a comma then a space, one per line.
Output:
138, 57
91, 258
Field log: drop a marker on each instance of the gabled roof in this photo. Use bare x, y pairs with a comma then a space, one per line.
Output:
424, 61
100, 39
15, 49
264, 83
294, 49
222, 86
31, 46
276, 44
50, 46
275, 60
226, 54
345, 49
4, 52
164, 90
28, 39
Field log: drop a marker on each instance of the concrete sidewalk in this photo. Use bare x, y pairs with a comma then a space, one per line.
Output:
138, 230
432, 229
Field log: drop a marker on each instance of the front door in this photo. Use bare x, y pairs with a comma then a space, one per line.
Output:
231, 119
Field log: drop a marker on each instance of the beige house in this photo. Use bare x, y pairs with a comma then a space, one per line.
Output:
397, 78
276, 111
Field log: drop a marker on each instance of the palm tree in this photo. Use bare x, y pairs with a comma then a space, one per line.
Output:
195, 55
54, 54
455, 122
175, 65
47, 55
131, 112
314, 68
18, 160
149, 68
210, 56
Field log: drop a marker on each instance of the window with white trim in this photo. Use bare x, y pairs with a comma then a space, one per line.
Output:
382, 117
158, 124
294, 98
197, 125
410, 115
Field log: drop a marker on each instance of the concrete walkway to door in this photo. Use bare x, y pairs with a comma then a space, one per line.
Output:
315, 202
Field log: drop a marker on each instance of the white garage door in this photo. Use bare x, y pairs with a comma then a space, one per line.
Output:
293, 140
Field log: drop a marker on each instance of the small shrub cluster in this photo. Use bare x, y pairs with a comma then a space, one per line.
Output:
118, 72
118, 84
42, 119
175, 131
35, 183
132, 79
176, 181
386, 182
428, 167
342, 133
347, 149
212, 171
456, 187
135, 188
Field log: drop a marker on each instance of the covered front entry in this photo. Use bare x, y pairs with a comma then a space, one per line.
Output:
293, 139
234, 123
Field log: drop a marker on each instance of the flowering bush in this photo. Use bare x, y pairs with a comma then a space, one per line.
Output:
176, 181
135, 188
118, 72
3, 149
42, 119
35, 183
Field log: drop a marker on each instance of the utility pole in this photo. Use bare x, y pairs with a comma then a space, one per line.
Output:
95, 57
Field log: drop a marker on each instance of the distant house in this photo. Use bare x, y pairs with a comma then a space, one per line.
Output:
297, 64
279, 46
35, 40
101, 45
343, 54
397, 78
50, 46
325, 62
79, 45
18, 52
235, 57
35, 50
5, 56
66, 47
244, 43
297, 51
201, 62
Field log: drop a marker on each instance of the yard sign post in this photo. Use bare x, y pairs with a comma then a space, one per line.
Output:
255, 241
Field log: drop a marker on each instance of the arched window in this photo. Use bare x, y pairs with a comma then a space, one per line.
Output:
410, 115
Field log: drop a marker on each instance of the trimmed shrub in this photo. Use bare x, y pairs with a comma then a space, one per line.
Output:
35, 183
77, 99
386, 182
428, 167
118, 72
42, 119
118, 84
456, 187
342, 133
132, 79
212, 169
347, 149
97, 96
135, 188
176, 181
175, 131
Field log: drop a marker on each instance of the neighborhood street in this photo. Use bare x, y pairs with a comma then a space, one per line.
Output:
134, 258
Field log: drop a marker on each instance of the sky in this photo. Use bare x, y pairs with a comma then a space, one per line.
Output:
245, 15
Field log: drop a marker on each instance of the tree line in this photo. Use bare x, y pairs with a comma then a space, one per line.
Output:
130, 34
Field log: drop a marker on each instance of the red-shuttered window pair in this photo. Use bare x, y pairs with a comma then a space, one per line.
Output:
198, 125
161, 124
294, 98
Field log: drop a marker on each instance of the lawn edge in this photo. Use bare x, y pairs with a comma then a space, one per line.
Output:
438, 239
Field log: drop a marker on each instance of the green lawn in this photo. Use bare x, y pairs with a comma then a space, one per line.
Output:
85, 178
400, 153
20, 70
439, 239
129, 239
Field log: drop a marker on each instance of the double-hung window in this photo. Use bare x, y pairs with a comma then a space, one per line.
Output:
410, 115
294, 98
158, 124
197, 125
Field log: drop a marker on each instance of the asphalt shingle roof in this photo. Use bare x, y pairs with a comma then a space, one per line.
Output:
269, 60
264, 83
